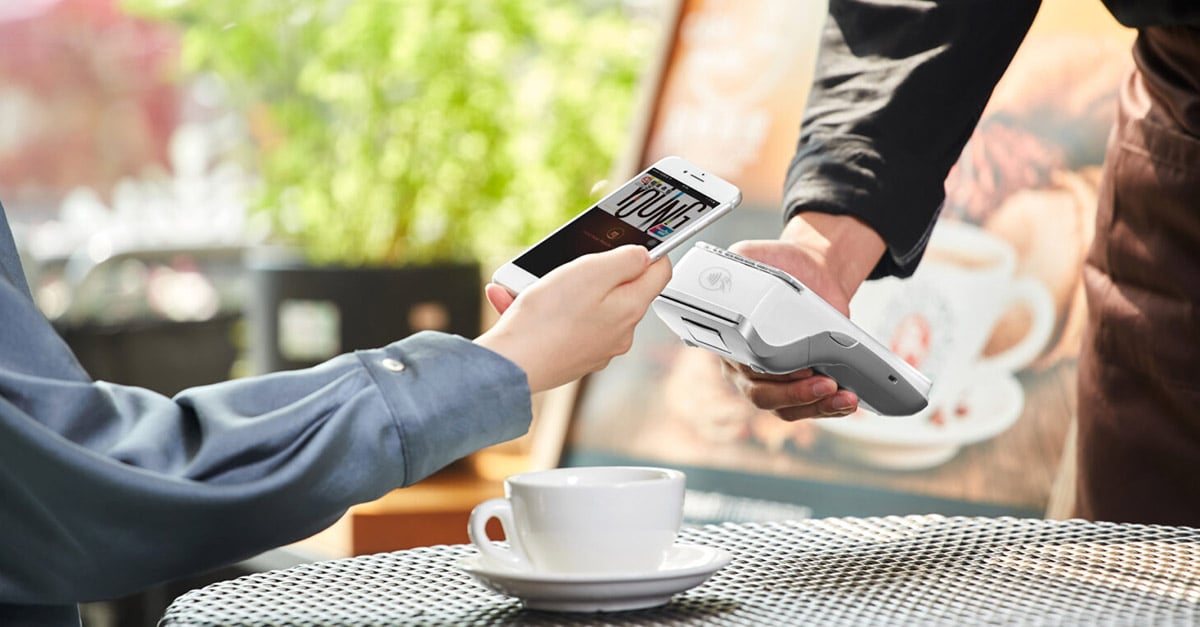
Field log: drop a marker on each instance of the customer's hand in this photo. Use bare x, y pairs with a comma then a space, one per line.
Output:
832, 255
574, 320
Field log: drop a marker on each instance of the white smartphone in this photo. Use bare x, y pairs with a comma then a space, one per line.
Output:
659, 208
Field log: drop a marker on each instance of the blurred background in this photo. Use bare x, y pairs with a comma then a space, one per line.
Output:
159, 156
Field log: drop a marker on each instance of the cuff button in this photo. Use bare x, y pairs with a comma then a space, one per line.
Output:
392, 364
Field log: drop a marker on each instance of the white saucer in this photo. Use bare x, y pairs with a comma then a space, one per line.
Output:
686, 566
990, 405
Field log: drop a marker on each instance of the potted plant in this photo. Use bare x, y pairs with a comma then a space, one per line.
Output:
398, 138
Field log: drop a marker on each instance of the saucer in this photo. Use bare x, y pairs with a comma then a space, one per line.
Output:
686, 566
990, 404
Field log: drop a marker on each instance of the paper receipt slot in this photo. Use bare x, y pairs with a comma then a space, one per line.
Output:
763, 317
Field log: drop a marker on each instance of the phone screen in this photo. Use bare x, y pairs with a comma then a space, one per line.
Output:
647, 210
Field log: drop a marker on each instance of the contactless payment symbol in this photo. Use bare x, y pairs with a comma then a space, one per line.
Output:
661, 230
716, 279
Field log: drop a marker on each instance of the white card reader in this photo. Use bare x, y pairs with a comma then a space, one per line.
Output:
761, 316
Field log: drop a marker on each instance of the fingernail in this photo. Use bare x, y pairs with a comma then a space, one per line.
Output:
824, 388
842, 404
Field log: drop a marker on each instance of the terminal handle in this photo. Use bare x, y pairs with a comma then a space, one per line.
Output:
859, 369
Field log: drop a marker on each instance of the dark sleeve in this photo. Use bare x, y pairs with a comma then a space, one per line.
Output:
898, 90
1141, 13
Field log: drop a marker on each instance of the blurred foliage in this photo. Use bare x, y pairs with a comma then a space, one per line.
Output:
394, 131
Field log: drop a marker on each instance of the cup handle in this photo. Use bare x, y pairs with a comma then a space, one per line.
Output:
501, 508
1033, 295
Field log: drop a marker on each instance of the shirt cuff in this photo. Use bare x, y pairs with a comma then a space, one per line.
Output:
449, 397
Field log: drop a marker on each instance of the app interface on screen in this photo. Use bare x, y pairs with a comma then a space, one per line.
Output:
646, 211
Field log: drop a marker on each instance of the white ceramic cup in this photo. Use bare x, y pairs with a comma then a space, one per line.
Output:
597, 519
941, 318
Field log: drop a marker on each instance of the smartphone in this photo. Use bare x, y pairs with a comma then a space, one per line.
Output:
660, 208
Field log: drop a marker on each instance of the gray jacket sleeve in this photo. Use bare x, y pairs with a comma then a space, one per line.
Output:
105, 489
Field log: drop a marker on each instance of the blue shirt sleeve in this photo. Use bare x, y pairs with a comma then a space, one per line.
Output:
106, 489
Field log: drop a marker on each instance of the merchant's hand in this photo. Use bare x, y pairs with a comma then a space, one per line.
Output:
832, 255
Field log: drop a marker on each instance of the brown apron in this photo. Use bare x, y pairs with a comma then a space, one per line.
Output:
1139, 370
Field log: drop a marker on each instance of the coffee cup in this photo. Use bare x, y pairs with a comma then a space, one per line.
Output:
596, 519
941, 318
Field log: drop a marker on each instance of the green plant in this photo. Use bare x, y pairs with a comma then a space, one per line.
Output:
394, 131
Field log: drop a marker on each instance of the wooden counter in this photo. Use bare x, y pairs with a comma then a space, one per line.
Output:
433, 511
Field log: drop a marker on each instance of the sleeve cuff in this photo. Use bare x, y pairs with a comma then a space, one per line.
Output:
449, 398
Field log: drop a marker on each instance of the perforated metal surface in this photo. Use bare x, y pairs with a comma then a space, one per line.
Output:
896, 570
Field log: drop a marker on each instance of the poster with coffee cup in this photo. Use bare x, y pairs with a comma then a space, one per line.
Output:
940, 320
992, 315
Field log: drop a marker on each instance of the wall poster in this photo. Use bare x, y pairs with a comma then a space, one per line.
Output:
993, 315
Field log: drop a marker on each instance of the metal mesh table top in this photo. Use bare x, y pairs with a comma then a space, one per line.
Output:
893, 570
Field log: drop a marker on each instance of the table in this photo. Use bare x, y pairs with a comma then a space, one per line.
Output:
889, 570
